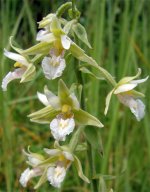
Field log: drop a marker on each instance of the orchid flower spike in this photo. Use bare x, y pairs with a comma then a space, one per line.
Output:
24, 70
62, 112
128, 96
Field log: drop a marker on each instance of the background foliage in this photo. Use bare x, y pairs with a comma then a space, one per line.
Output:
120, 35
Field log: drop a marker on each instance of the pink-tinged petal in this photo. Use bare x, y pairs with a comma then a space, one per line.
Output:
16, 57
66, 42
124, 88
16, 74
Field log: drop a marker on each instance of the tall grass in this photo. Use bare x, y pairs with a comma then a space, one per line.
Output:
120, 35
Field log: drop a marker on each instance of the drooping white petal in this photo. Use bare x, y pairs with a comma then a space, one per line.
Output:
56, 175
138, 109
68, 155
16, 74
136, 106
52, 152
60, 128
66, 41
53, 68
16, 57
124, 88
139, 81
28, 174
43, 98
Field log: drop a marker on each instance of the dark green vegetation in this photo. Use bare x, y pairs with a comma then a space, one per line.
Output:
120, 36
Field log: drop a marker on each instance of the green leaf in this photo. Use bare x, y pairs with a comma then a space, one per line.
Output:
45, 115
81, 33
84, 118
29, 74
79, 169
40, 48
94, 138
42, 179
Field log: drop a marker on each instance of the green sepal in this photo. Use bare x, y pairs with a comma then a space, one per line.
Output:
81, 147
14, 47
40, 48
84, 118
137, 93
81, 33
55, 27
42, 179
48, 161
29, 74
46, 20
68, 26
45, 115
79, 53
128, 79
107, 102
64, 93
79, 169
62, 9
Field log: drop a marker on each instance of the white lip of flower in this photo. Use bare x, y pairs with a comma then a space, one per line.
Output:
56, 175
17, 73
136, 106
53, 66
60, 128
28, 174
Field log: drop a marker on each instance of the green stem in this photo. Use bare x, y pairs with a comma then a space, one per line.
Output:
74, 8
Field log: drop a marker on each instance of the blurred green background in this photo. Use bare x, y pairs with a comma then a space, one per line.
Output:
119, 31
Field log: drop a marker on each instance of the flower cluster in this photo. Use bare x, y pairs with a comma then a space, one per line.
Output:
63, 111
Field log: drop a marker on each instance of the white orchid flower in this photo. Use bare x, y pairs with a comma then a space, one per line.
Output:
62, 112
29, 174
25, 71
127, 96
56, 175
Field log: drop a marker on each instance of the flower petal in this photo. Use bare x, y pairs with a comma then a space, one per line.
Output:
60, 128
16, 57
66, 41
43, 98
138, 109
68, 155
16, 74
139, 80
52, 98
56, 175
124, 88
52, 152
44, 36
28, 174
52, 71
136, 106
